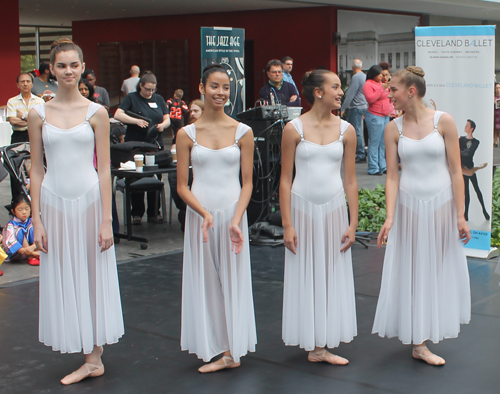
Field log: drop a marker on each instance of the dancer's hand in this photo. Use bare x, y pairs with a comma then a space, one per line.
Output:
350, 237
290, 239
384, 233
463, 231
105, 237
208, 222
236, 238
40, 237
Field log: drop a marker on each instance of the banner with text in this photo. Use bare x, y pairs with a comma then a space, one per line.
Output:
226, 45
459, 65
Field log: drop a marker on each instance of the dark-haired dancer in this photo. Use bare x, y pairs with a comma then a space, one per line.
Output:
318, 303
217, 302
468, 146
425, 292
80, 308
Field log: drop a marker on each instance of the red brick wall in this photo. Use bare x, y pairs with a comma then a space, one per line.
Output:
10, 65
305, 34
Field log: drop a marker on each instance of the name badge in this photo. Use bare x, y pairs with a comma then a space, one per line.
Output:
153, 105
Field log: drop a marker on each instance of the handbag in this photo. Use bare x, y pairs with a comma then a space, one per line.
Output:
152, 132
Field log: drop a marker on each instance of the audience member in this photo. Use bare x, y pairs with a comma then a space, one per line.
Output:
100, 93
377, 117
287, 69
18, 239
355, 101
196, 108
178, 110
277, 91
44, 85
86, 89
386, 84
152, 106
129, 85
19, 106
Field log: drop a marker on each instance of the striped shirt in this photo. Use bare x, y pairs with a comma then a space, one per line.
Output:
18, 104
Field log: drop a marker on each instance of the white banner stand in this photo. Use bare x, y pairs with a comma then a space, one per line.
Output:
459, 65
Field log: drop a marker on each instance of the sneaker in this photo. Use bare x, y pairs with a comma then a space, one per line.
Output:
155, 219
136, 220
360, 160
1, 273
34, 261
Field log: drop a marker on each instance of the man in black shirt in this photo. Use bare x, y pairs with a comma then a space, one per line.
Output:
468, 146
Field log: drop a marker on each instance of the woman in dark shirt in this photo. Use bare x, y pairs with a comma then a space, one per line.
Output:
150, 105
146, 103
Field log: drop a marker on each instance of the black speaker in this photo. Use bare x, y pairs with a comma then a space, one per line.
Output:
267, 168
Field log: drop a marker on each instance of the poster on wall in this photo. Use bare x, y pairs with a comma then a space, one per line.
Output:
374, 37
226, 45
459, 65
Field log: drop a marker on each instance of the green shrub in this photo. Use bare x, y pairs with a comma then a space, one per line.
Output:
372, 209
495, 215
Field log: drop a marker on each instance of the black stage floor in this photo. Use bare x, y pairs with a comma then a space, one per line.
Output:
148, 358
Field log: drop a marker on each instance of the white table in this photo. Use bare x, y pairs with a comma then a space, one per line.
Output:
5, 133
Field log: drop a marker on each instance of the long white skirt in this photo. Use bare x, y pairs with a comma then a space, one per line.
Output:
80, 303
217, 300
425, 291
319, 301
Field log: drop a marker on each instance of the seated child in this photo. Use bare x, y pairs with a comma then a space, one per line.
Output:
18, 234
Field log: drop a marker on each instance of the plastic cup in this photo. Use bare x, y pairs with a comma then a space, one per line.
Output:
150, 160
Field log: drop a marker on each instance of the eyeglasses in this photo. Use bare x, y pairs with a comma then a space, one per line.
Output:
276, 72
149, 90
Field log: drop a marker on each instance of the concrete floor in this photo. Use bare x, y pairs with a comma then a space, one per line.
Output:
148, 358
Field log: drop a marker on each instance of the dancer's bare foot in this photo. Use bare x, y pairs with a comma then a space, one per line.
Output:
420, 352
85, 371
222, 363
92, 368
320, 355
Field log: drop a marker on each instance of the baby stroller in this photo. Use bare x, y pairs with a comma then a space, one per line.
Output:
16, 160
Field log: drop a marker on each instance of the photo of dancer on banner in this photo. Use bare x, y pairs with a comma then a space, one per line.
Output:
468, 146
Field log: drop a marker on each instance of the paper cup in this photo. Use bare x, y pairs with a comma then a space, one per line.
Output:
139, 162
